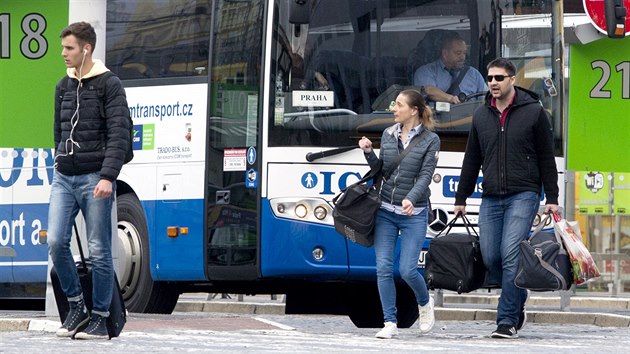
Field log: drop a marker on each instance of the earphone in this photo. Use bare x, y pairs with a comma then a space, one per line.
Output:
74, 120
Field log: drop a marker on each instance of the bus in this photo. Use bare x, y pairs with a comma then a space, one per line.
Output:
246, 114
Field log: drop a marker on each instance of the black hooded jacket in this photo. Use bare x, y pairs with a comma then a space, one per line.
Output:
516, 158
102, 137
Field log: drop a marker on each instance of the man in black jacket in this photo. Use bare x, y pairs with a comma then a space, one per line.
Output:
511, 141
91, 133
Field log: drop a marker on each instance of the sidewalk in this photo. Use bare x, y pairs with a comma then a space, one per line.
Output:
542, 308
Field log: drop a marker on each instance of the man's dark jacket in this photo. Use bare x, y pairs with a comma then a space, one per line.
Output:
102, 137
516, 158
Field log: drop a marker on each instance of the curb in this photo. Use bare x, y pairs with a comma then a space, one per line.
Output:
441, 314
589, 318
545, 301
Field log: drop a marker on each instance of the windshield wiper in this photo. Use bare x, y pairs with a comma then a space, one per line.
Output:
312, 156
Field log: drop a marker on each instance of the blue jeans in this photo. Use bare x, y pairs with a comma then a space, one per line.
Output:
69, 194
504, 221
413, 230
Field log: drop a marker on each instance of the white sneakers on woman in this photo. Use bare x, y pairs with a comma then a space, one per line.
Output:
426, 320
389, 330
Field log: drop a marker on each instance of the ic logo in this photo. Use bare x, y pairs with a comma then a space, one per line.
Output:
311, 180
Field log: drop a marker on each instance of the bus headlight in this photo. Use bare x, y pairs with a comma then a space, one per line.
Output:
320, 212
300, 211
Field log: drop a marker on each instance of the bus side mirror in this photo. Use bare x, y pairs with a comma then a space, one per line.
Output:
300, 12
615, 12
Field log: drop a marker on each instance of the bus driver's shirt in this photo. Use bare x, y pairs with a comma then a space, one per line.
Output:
435, 74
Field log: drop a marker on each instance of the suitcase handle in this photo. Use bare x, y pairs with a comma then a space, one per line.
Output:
76, 232
467, 224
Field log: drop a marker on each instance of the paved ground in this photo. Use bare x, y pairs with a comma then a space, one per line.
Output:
216, 332
203, 323
602, 311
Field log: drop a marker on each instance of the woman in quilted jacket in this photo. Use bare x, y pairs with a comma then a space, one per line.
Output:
404, 201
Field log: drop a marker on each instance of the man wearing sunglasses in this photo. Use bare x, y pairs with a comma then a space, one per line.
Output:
511, 142
449, 79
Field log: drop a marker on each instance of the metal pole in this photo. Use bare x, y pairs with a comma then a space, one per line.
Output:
557, 55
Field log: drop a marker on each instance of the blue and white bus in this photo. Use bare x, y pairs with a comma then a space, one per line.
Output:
233, 103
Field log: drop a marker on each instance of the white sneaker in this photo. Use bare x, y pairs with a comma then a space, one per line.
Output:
426, 320
389, 330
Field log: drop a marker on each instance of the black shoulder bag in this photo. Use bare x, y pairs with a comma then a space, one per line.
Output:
355, 207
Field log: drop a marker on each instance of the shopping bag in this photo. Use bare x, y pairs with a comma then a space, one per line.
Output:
584, 267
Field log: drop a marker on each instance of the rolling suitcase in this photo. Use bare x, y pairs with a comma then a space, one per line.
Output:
454, 260
117, 311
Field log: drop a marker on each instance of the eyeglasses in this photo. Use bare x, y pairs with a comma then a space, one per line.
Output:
499, 78
550, 87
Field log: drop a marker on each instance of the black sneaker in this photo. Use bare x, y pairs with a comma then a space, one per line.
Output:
77, 319
97, 329
504, 331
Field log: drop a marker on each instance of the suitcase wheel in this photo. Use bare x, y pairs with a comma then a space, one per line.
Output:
430, 282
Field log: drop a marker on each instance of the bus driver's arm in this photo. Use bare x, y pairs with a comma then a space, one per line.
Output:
437, 95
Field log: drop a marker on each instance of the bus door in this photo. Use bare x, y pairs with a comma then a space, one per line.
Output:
233, 155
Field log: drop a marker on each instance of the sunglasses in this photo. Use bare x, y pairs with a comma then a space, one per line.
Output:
499, 78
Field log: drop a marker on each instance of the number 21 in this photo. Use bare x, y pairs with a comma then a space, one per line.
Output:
623, 67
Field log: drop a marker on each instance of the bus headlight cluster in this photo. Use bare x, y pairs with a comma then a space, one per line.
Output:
309, 209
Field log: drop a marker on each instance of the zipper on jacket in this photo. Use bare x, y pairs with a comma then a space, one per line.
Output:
503, 159
394, 184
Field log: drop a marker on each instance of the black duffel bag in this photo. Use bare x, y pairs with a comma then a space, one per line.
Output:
454, 260
355, 209
544, 264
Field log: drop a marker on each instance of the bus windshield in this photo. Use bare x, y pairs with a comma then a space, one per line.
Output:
339, 64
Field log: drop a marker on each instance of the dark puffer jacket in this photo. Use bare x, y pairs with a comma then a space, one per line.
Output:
411, 179
516, 158
101, 141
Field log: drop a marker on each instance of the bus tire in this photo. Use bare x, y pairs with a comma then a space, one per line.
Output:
140, 292
364, 306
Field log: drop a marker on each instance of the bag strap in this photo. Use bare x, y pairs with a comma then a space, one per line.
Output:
547, 220
450, 225
458, 80
550, 269
414, 141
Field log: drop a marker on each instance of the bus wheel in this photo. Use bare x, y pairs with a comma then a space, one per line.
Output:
365, 311
140, 292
